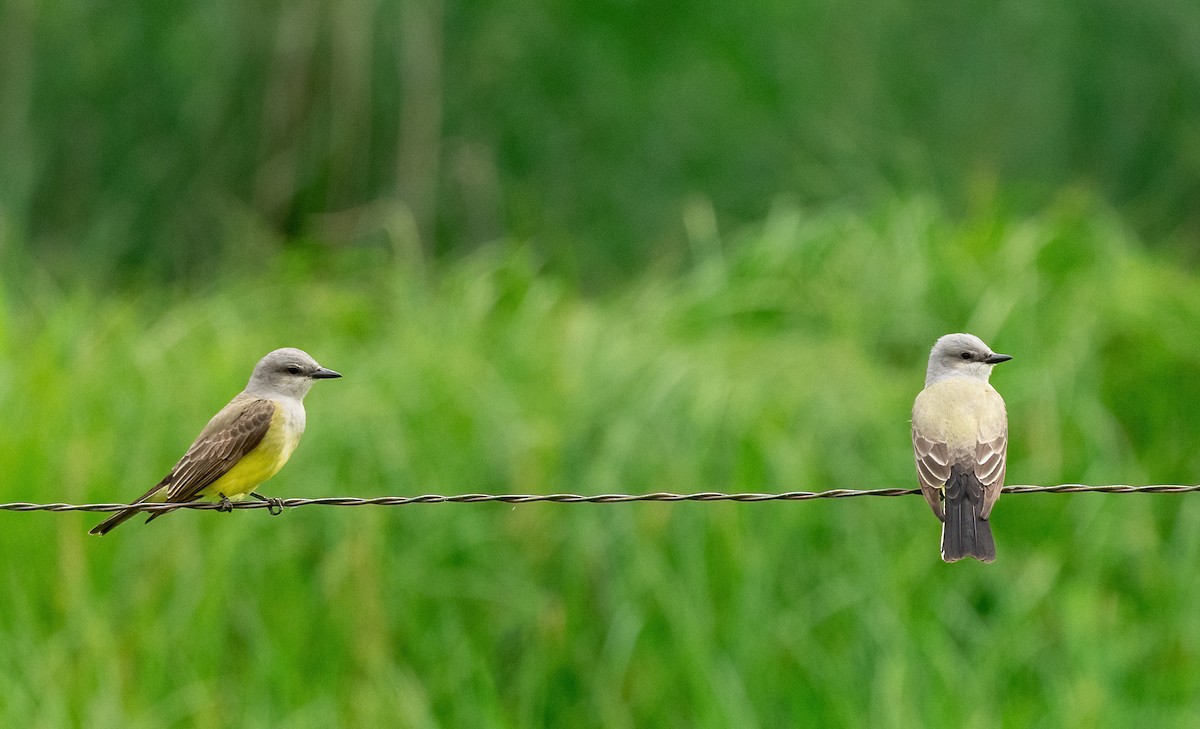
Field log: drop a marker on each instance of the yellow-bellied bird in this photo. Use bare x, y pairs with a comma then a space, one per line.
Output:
960, 438
246, 443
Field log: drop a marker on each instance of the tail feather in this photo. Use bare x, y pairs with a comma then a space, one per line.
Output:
113, 522
965, 533
158, 493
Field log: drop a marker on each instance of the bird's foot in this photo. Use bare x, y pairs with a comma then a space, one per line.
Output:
225, 504
274, 506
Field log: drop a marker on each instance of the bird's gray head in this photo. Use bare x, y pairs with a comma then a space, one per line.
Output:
961, 355
286, 372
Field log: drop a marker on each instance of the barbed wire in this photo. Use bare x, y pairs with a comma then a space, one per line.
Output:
276, 505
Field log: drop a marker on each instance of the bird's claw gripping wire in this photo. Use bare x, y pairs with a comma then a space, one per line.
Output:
274, 506
225, 505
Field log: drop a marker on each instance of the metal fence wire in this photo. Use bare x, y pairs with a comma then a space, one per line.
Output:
276, 506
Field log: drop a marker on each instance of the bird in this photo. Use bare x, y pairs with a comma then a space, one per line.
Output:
960, 441
244, 444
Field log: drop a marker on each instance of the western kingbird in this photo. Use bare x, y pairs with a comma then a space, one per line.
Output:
244, 444
960, 438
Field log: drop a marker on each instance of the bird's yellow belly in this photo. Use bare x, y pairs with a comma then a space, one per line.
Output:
259, 464
959, 412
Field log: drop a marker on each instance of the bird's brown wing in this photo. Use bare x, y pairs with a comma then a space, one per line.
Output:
230, 435
990, 457
933, 470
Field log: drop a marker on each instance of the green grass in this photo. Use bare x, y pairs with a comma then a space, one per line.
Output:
786, 358
135, 134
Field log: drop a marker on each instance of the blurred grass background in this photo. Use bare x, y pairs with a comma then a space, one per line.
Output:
602, 248
150, 137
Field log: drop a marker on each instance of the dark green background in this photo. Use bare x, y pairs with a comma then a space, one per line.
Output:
150, 136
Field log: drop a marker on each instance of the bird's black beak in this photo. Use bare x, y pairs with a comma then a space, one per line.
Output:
325, 374
997, 358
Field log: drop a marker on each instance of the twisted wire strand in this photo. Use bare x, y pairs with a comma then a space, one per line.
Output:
661, 496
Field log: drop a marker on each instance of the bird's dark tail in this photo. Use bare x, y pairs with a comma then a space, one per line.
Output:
965, 533
113, 522
121, 517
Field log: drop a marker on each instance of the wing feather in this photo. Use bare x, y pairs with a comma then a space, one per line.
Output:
228, 437
990, 458
933, 470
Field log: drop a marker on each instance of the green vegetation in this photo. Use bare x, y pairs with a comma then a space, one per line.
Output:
143, 136
598, 247
785, 358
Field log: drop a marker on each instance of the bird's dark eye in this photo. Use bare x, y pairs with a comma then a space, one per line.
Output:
293, 370
965, 355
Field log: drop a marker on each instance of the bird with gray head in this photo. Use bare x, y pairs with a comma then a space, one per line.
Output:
245, 443
960, 440
287, 372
